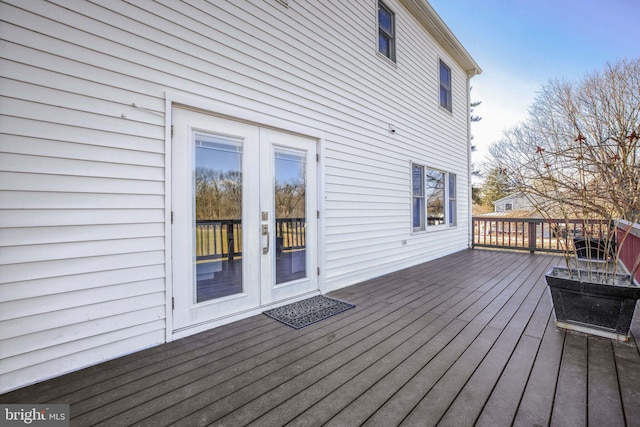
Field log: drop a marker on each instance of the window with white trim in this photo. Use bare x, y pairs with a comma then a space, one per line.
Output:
417, 182
453, 205
445, 87
386, 32
434, 201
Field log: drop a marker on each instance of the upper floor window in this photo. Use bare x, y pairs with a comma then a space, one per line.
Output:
508, 206
386, 32
445, 86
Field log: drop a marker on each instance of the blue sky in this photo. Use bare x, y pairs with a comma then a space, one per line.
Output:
523, 44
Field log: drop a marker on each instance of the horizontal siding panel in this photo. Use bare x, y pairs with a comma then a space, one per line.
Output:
76, 250
369, 197
51, 200
366, 147
125, 46
367, 262
147, 335
348, 220
41, 147
384, 266
347, 166
49, 113
123, 327
38, 58
81, 334
165, 74
89, 281
365, 235
81, 84
68, 267
71, 217
391, 243
48, 304
57, 166
335, 182
391, 209
374, 260
45, 235
68, 133
74, 322
44, 95
44, 182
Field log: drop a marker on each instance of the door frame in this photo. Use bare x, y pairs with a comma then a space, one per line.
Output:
219, 108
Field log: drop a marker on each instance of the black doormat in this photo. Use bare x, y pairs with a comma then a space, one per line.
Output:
304, 313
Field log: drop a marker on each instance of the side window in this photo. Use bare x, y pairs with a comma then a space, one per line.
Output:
453, 206
386, 32
434, 198
508, 206
445, 87
417, 183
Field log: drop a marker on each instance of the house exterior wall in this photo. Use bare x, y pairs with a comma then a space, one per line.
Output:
83, 200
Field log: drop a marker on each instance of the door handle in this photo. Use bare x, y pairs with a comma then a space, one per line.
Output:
265, 232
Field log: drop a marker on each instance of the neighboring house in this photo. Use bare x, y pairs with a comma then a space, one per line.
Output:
513, 202
168, 167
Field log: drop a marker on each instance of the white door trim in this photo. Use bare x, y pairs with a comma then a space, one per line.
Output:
174, 99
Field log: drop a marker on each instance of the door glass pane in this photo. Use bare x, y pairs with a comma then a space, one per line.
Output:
290, 208
218, 216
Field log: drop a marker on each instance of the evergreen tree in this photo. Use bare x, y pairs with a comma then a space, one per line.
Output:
496, 186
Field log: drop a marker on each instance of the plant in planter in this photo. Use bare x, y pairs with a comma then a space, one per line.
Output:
578, 157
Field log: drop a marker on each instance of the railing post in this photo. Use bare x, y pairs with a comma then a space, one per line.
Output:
532, 236
473, 232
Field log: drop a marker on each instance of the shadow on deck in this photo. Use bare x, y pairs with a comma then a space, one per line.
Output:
468, 339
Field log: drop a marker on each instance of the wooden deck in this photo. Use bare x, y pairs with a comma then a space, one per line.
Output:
468, 339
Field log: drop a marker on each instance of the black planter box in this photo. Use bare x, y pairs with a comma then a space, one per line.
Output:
602, 309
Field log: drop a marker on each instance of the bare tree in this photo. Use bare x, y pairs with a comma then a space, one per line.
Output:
218, 194
578, 153
290, 196
208, 193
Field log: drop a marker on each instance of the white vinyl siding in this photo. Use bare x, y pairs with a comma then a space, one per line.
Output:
82, 153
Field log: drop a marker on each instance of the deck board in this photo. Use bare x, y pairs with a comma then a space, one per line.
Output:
468, 339
537, 401
570, 404
605, 406
627, 360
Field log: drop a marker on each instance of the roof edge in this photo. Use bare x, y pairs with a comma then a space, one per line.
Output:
434, 25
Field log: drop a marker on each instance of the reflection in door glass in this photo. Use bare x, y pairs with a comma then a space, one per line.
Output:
218, 216
290, 210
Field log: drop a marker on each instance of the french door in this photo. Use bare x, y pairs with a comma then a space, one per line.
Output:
244, 203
